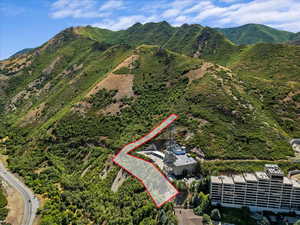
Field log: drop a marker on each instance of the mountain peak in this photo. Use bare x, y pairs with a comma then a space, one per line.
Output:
255, 33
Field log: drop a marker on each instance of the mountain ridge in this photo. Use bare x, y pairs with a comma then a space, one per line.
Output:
256, 33
238, 35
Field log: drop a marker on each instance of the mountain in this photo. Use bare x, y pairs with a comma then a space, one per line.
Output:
255, 33
69, 105
296, 39
23, 51
191, 40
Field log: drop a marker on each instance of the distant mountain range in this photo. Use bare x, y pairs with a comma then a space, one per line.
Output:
256, 33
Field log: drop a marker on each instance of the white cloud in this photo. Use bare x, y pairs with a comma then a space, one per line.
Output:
171, 13
198, 7
124, 22
83, 8
182, 19
180, 4
292, 26
229, 1
283, 14
112, 4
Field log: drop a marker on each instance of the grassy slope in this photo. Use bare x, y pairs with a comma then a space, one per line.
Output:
187, 39
255, 33
3, 204
234, 116
271, 75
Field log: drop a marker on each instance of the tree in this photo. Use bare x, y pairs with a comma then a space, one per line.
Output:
297, 223
204, 204
148, 221
206, 220
215, 215
264, 221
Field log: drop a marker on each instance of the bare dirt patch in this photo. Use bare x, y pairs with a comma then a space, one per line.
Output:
122, 83
52, 65
198, 73
290, 95
127, 62
17, 63
3, 77
112, 108
81, 107
119, 180
187, 217
15, 205
33, 115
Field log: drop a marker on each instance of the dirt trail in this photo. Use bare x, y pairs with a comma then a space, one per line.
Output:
121, 82
198, 73
33, 115
119, 180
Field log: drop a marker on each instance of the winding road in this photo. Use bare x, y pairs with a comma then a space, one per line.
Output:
31, 203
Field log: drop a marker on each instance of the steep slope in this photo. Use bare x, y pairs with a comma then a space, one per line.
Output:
71, 104
216, 115
255, 33
271, 75
193, 40
23, 51
58, 73
296, 39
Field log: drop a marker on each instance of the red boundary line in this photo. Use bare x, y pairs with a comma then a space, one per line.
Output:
177, 192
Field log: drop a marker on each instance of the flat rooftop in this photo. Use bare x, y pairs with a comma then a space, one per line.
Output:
183, 160
262, 176
287, 181
250, 177
238, 179
227, 180
296, 183
216, 180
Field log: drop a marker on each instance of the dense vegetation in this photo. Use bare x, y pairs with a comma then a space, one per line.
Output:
63, 121
3, 209
256, 33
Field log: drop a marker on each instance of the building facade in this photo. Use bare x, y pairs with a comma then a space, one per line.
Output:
268, 190
177, 162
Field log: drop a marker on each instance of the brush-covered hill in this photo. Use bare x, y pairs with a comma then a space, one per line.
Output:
45, 85
192, 40
256, 33
271, 75
296, 39
68, 106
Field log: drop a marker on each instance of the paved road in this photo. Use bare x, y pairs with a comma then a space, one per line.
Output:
31, 203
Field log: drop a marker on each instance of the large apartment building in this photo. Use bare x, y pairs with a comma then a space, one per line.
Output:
268, 190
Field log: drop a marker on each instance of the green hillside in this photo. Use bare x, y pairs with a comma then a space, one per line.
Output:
68, 106
255, 33
191, 40
271, 74
296, 39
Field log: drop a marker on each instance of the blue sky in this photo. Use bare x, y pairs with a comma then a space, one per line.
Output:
29, 23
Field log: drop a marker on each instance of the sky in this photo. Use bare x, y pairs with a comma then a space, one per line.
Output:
30, 23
